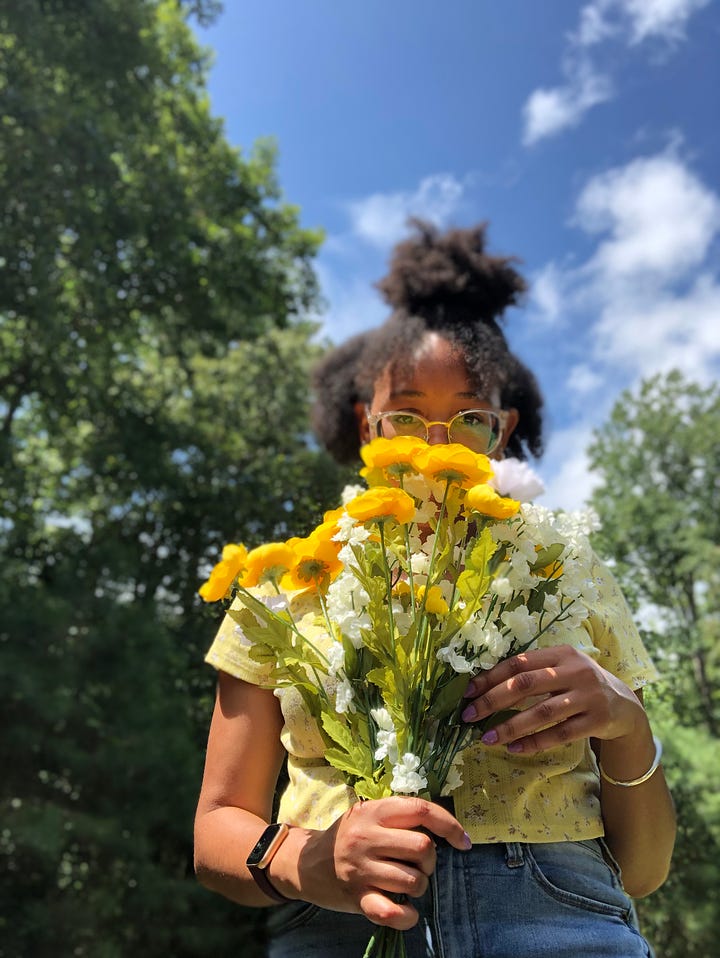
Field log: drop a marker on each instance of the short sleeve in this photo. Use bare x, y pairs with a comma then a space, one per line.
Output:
614, 635
230, 652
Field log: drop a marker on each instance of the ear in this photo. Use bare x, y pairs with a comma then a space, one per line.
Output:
363, 425
513, 417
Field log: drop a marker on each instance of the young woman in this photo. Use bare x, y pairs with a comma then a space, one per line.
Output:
559, 800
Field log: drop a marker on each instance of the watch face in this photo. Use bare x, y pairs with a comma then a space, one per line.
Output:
268, 842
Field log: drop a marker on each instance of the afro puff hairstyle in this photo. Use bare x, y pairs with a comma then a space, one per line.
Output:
448, 284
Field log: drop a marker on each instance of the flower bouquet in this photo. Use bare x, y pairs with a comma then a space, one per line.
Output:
421, 580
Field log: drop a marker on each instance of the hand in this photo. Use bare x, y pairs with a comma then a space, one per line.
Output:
374, 851
578, 699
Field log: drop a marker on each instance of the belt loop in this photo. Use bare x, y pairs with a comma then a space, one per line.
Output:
514, 854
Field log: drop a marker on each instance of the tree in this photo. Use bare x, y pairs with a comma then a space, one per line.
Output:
153, 381
659, 459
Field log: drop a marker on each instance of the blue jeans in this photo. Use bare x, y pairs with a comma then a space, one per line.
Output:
560, 900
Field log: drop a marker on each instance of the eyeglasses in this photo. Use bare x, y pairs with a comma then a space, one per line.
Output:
479, 429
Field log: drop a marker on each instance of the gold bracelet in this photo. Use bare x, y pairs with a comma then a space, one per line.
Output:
643, 778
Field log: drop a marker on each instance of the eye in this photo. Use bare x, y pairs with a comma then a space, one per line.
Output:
404, 419
406, 424
475, 419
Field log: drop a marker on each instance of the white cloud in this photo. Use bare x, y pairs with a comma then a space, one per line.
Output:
671, 331
647, 299
381, 219
584, 380
651, 279
665, 19
548, 112
635, 20
660, 217
571, 485
547, 294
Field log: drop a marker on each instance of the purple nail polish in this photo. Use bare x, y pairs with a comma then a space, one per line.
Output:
515, 747
467, 841
490, 737
469, 714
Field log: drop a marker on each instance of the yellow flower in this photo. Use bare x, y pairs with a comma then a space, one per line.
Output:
382, 502
315, 562
224, 573
453, 462
329, 526
267, 562
484, 499
394, 455
434, 600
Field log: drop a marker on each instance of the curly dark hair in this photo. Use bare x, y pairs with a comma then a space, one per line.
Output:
448, 284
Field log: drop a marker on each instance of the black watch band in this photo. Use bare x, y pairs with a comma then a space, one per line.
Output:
261, 856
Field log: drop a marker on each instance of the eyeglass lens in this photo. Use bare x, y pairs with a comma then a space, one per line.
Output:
478, 430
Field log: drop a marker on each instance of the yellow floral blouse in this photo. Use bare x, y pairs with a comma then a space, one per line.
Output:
553, 796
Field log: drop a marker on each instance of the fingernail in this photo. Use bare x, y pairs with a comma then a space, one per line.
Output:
469, 691
469, 714
490, 737
467, 841
515, 747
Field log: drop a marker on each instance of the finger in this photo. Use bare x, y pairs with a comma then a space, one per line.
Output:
410, 812
575, 728
411, 846
399, 878
551, 711
526, 661
384, 911
511, 693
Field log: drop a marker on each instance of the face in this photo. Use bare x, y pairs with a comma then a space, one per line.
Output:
436, 387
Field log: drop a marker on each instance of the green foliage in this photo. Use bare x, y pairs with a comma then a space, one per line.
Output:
659, 460
153, 375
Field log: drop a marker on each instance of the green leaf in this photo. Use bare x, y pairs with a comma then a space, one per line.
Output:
446, 699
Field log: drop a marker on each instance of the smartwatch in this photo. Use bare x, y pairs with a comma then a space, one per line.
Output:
261, 856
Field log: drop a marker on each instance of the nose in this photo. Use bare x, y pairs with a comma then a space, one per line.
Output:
437, 434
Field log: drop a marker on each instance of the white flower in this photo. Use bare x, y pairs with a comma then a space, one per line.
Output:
451, 656
406, 777
344, 697
385, 736
501, 587
403, 620
425, 512
551, 604
350, 531
347, 557
454, 778
351, 492
495, 642
522, 624
345, 597
423, 489
352, 627
519, 575
420, 563
516, 479
336, 658
383, 719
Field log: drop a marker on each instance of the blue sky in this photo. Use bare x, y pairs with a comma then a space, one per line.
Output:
587, 134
